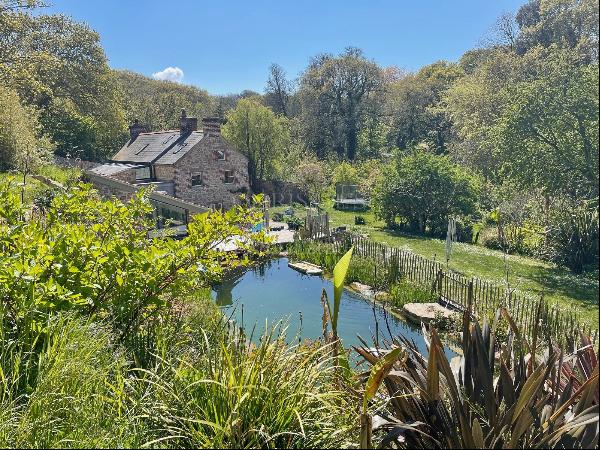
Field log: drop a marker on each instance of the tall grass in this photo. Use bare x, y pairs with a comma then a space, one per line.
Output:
365, 270
189, 381
362, 270
67, 394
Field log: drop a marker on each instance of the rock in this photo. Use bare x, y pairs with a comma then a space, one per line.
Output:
382, 296
306, 268
363, 289
425, 312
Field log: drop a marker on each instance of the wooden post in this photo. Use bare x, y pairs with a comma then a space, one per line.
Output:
470, 297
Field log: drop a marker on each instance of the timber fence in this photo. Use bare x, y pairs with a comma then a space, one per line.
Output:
457, 290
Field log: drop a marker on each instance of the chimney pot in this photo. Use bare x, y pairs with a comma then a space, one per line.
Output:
187, 124
135, 129
211, 125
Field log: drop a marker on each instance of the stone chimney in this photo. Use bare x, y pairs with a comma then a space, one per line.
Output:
187, 124
211, 125
135, 129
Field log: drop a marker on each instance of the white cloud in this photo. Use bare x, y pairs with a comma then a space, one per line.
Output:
169, 74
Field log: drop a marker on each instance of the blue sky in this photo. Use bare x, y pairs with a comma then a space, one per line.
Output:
227, 46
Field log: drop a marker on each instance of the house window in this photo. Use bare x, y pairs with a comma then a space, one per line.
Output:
197, 179
228, 177
220, 155
143, 173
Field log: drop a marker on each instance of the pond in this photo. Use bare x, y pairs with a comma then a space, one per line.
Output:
273, 292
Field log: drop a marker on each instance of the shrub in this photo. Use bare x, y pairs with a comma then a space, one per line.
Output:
294, 222
359, 220
524, 396
94, 257
572, 236
424, 191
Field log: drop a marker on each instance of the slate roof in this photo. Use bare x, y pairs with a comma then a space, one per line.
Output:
163, 147
113, 168
180, 148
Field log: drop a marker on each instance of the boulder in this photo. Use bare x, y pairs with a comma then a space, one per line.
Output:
425, 312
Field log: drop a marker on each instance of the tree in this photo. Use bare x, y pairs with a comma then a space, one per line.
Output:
333, 94
424, 191
569, 24
531, 118
413, 103
372, 136
345, 173
51, 60
278, 90
552, 120
157, 104
21, 147
311, 177
262, 136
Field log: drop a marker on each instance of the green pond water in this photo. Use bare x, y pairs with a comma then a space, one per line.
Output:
272, 292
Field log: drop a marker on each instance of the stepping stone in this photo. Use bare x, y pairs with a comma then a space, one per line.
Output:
306, 268
425, 312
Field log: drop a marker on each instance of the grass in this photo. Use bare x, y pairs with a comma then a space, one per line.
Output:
33, 187
59, 174
203, 387
528, 275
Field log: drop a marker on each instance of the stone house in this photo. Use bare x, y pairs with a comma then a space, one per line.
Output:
196, 166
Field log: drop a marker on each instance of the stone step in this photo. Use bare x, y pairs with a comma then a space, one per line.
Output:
306, 268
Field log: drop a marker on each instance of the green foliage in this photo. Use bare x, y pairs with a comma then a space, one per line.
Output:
294, 222
95, 257
499, 117
404, 292
59, 68
20, 144
519, 396
370, 174
262, 136
413, 107
232, 397
372, 138
339, 277
336, 93
202, 387
312, 178
157, 104
70, 391
572, 235
107, 340
425, 191
566, 23
345, 173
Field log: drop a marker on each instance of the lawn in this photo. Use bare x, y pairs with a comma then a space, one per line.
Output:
526, 274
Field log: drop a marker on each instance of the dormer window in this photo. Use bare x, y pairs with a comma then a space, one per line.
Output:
220, 155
